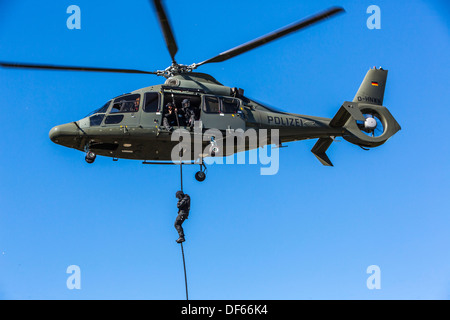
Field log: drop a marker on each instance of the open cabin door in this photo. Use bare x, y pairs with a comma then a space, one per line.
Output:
179, 118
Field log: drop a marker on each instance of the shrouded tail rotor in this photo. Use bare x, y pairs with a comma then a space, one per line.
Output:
372, 126
364, 121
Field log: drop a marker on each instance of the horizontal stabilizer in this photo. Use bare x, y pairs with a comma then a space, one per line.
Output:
319, 150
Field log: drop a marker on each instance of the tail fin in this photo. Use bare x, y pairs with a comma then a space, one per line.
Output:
372, 88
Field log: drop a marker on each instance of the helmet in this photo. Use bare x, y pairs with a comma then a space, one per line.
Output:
185, 102
179, 194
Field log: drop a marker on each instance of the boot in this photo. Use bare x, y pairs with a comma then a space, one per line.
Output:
181, 239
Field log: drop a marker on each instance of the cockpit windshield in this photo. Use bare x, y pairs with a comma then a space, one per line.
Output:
96, 117
100, 110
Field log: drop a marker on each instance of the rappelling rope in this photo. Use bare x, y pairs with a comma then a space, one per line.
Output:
181, 175
181, 148
185, 277
181, 182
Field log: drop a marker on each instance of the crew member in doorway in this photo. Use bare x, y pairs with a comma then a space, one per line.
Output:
183, 205
169, 117
188, 113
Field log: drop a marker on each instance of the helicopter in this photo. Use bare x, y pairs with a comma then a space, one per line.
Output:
134, 125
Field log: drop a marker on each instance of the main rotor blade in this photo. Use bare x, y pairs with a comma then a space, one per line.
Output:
69, 68
166, 29
274, 35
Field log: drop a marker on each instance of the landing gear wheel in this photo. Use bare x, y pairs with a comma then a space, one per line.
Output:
90, 157
200, 176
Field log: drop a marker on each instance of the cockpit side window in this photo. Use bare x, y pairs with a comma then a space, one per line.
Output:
151, 103
128, 103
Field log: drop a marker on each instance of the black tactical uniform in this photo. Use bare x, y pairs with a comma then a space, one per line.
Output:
184, 205
189, 114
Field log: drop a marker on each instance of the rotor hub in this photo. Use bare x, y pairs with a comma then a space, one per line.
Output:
370, 123
176, 69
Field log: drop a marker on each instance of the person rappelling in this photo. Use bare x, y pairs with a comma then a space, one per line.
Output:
183, 205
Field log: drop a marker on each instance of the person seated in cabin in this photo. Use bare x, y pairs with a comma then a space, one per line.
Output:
169, 118
135, 107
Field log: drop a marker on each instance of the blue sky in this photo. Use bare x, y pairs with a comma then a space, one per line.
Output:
308, 232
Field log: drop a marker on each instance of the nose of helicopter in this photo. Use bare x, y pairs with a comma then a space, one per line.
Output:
63, 133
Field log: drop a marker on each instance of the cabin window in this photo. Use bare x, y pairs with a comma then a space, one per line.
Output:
151, 103
230, 105
212, 105
128, 103
221, 105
